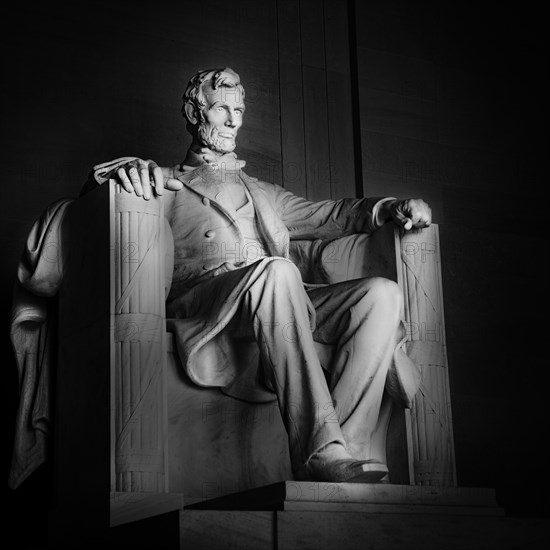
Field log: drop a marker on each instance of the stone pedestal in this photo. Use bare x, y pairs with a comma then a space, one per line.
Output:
359, 497
318, 516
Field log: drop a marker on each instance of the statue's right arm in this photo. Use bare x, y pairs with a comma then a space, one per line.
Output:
142, 177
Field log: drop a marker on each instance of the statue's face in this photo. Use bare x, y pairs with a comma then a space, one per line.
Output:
223, 116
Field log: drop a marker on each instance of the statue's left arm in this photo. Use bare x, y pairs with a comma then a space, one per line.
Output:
334, 218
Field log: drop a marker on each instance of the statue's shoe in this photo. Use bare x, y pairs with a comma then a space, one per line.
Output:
333, 463
344, 470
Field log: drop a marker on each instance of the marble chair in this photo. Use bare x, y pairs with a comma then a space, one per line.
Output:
129, 425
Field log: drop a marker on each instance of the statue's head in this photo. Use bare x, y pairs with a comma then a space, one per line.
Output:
213, 104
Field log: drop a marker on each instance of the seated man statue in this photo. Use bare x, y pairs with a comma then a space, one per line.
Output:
232, 274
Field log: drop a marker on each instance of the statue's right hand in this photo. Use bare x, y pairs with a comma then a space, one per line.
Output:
138, 176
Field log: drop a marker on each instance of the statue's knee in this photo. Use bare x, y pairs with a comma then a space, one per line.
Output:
387, 293
282, 270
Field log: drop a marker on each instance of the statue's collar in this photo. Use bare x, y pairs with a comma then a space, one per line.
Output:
202, 156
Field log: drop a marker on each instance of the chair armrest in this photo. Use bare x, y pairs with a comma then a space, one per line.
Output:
113, 336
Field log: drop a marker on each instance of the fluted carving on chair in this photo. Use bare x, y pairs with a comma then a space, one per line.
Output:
431, 422
138, 387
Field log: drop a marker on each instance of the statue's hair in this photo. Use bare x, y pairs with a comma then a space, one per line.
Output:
194, 93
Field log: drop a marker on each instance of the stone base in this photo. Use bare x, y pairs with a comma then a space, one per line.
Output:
303, 515
293, 530
132, 507
358, 497
319, 516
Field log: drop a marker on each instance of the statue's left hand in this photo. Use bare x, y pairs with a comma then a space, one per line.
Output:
410, 213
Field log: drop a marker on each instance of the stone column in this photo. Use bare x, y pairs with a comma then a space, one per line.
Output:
138, 392
430, 431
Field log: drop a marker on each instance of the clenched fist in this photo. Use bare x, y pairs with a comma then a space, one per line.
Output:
408, 213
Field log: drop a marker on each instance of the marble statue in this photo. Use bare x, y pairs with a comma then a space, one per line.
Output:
232, 274
233, 280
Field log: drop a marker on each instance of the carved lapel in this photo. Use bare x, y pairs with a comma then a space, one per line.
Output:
269, 223
203, 181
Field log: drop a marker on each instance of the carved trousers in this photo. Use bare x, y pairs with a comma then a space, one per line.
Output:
360, 319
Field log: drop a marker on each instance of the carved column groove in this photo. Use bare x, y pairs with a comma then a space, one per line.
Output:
431, 447
138, 323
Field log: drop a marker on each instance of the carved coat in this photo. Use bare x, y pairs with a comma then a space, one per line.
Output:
207, 285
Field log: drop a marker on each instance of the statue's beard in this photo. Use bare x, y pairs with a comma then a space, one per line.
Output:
213, 141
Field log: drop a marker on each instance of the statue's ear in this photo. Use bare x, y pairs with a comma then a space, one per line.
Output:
191, 113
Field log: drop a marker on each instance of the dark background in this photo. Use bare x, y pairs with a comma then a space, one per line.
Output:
420, 98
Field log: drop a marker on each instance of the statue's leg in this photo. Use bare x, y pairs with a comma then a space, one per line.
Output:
278, 308
362, 319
